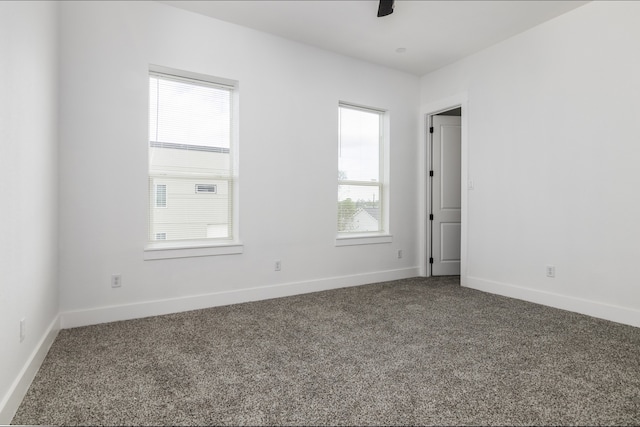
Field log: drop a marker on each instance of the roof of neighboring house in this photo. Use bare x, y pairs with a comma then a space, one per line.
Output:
373, 212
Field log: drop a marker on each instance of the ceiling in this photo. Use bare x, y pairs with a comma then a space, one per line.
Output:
432, 33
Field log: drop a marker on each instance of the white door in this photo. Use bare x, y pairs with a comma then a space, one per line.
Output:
445, 196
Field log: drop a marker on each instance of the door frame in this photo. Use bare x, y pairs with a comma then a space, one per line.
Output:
426, 113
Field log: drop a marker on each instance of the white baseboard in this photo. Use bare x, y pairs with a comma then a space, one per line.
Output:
76, 318
625, 315
20, 386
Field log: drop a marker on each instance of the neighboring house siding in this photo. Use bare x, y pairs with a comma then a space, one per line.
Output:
190, 215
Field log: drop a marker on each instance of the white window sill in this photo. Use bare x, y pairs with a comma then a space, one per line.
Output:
363, 239
190, 249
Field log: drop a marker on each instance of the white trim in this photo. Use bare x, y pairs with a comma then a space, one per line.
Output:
189, 76
72, 319
189, 249
614, 313
361, 183
12, 400
360, 239
364, 108
424, 192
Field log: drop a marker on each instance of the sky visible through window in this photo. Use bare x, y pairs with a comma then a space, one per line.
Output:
187, 113
359, 145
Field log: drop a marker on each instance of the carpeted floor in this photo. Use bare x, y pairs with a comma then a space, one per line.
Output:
415, 351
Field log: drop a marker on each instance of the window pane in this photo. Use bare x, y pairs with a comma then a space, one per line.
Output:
184, 113
191, 215
359, 149
190, 162
161, 196
359, 208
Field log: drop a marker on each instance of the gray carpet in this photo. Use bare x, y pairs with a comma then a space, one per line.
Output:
416, 351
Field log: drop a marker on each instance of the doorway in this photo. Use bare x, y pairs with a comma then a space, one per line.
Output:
445, 207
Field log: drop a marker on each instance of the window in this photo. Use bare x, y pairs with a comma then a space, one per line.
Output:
360, 171
161, 196
190, 147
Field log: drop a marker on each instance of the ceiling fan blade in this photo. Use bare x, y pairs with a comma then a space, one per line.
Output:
385, 8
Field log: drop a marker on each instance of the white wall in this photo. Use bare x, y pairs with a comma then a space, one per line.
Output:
29, 191
289, 96
551, 135
553, 150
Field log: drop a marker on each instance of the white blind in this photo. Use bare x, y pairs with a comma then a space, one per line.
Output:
190, 146
359, 170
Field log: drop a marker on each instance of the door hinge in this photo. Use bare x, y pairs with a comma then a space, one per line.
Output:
430, 260
431, 129
430, 173
430, 217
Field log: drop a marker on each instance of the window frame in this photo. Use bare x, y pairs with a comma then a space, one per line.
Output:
382, 235
168, 249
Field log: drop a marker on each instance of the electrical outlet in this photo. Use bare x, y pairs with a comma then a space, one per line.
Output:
23, 329
551, 271
277, 266
116, 281
399, 253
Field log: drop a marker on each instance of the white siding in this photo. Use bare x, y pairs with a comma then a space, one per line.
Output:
189, 215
